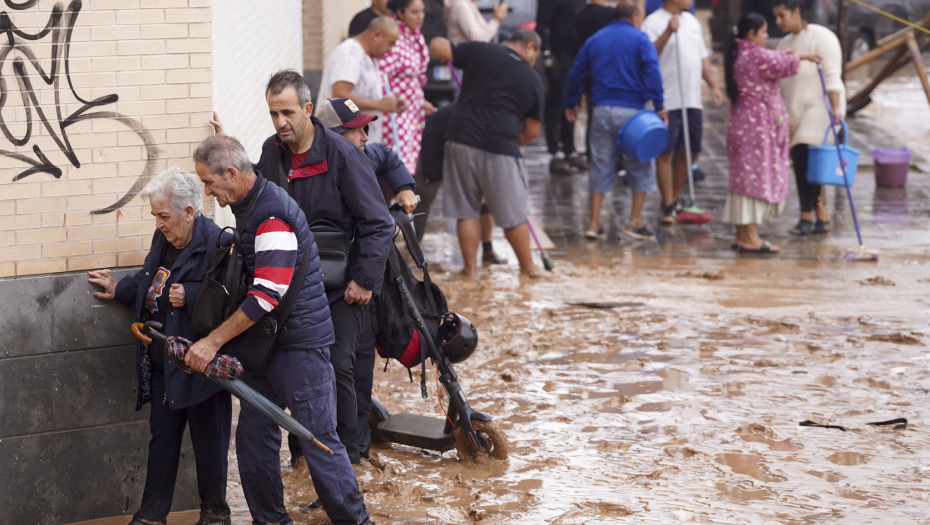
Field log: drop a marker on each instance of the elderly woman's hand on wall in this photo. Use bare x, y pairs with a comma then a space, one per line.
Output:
105, 279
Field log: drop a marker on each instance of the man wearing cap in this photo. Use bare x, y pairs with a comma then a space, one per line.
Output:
331, 179
337, 117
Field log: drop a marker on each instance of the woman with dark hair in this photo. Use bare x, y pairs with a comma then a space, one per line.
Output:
404, 69
807, 111
757, 131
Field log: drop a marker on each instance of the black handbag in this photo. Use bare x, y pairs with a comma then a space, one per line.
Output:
224, 288
334, 245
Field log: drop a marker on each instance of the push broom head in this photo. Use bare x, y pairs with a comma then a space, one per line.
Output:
693, 216
861, 254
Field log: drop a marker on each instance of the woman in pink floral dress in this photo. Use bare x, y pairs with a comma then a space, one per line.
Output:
405, 71
757, 131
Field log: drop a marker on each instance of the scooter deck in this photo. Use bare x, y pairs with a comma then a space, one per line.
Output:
415, 431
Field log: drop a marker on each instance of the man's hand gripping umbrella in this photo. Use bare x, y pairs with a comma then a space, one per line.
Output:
225, 370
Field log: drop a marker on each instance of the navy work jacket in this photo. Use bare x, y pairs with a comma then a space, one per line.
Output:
182, 390
336, 183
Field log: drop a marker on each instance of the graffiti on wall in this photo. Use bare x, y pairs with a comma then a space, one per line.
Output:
19, 47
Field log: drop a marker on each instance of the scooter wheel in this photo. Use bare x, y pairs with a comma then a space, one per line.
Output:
494, 441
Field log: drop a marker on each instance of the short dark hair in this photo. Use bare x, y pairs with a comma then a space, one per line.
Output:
526, 37
399, 6
626, 9
289, 78
803, 5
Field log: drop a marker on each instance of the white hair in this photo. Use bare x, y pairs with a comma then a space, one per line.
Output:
176, 187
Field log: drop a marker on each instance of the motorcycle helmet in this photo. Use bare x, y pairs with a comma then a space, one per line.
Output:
458, 337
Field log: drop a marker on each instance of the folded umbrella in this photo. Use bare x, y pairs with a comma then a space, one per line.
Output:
224, 370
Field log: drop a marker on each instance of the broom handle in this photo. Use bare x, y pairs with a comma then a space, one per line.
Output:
684, 120
839, 152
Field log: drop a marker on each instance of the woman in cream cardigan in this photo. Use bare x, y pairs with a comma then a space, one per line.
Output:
807, 111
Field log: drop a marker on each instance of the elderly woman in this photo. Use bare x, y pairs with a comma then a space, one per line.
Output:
164, 290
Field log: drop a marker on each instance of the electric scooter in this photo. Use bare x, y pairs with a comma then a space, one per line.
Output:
470, 432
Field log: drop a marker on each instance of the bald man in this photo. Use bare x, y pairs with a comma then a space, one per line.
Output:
351, 72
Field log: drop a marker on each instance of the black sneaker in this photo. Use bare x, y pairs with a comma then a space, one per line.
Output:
311, 507
489, 257
559, 166
639, 232
577, 161
594, 235
669, 214
821, 227
802, 228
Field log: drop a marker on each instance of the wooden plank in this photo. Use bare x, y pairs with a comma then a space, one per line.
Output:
914, 50
897, 62
878, 51
544, 239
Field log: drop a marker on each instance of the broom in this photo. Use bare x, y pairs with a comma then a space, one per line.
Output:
860, 254
691, 214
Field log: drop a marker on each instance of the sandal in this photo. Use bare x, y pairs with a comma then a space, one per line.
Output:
766, 248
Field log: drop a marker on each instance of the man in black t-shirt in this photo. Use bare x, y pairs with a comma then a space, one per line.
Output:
499, 109
361, 20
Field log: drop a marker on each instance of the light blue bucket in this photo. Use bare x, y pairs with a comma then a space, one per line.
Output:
822, 161
644, 136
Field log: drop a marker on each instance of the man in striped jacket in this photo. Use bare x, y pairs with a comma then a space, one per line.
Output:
299, 374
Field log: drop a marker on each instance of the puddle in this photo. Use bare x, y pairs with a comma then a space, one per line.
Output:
777, 446
826, 476
738, 495
848, 459
748, 464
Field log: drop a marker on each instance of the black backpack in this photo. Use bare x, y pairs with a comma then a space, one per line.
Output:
395, 334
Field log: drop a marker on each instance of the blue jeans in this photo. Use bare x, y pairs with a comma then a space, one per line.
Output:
303, 381
605, 124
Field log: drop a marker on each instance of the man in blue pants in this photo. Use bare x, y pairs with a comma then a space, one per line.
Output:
299, 375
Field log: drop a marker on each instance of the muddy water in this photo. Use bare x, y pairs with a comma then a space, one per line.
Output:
684, 408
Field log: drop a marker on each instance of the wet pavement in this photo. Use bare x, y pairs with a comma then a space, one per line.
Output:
678, 400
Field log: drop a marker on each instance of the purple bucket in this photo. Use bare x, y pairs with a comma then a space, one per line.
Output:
891, 167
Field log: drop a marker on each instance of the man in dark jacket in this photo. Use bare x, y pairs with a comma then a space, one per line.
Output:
555, 25
275, 235
337, 116
331, 179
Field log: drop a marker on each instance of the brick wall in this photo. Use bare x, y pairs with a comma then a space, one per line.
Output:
134, 86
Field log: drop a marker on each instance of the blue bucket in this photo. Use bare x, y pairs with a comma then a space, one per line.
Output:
822, 164
644, 136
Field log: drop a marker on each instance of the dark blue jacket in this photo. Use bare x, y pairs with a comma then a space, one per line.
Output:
387, 165
336, 183
309, 324
624, 65
182, 389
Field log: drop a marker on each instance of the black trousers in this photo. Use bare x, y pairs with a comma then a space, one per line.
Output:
209, 423
560, 133
809, 194
364, 379
347, 323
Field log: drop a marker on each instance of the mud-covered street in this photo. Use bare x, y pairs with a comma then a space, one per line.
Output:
678, 398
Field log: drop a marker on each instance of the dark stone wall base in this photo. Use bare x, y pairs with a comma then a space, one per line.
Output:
72, 446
